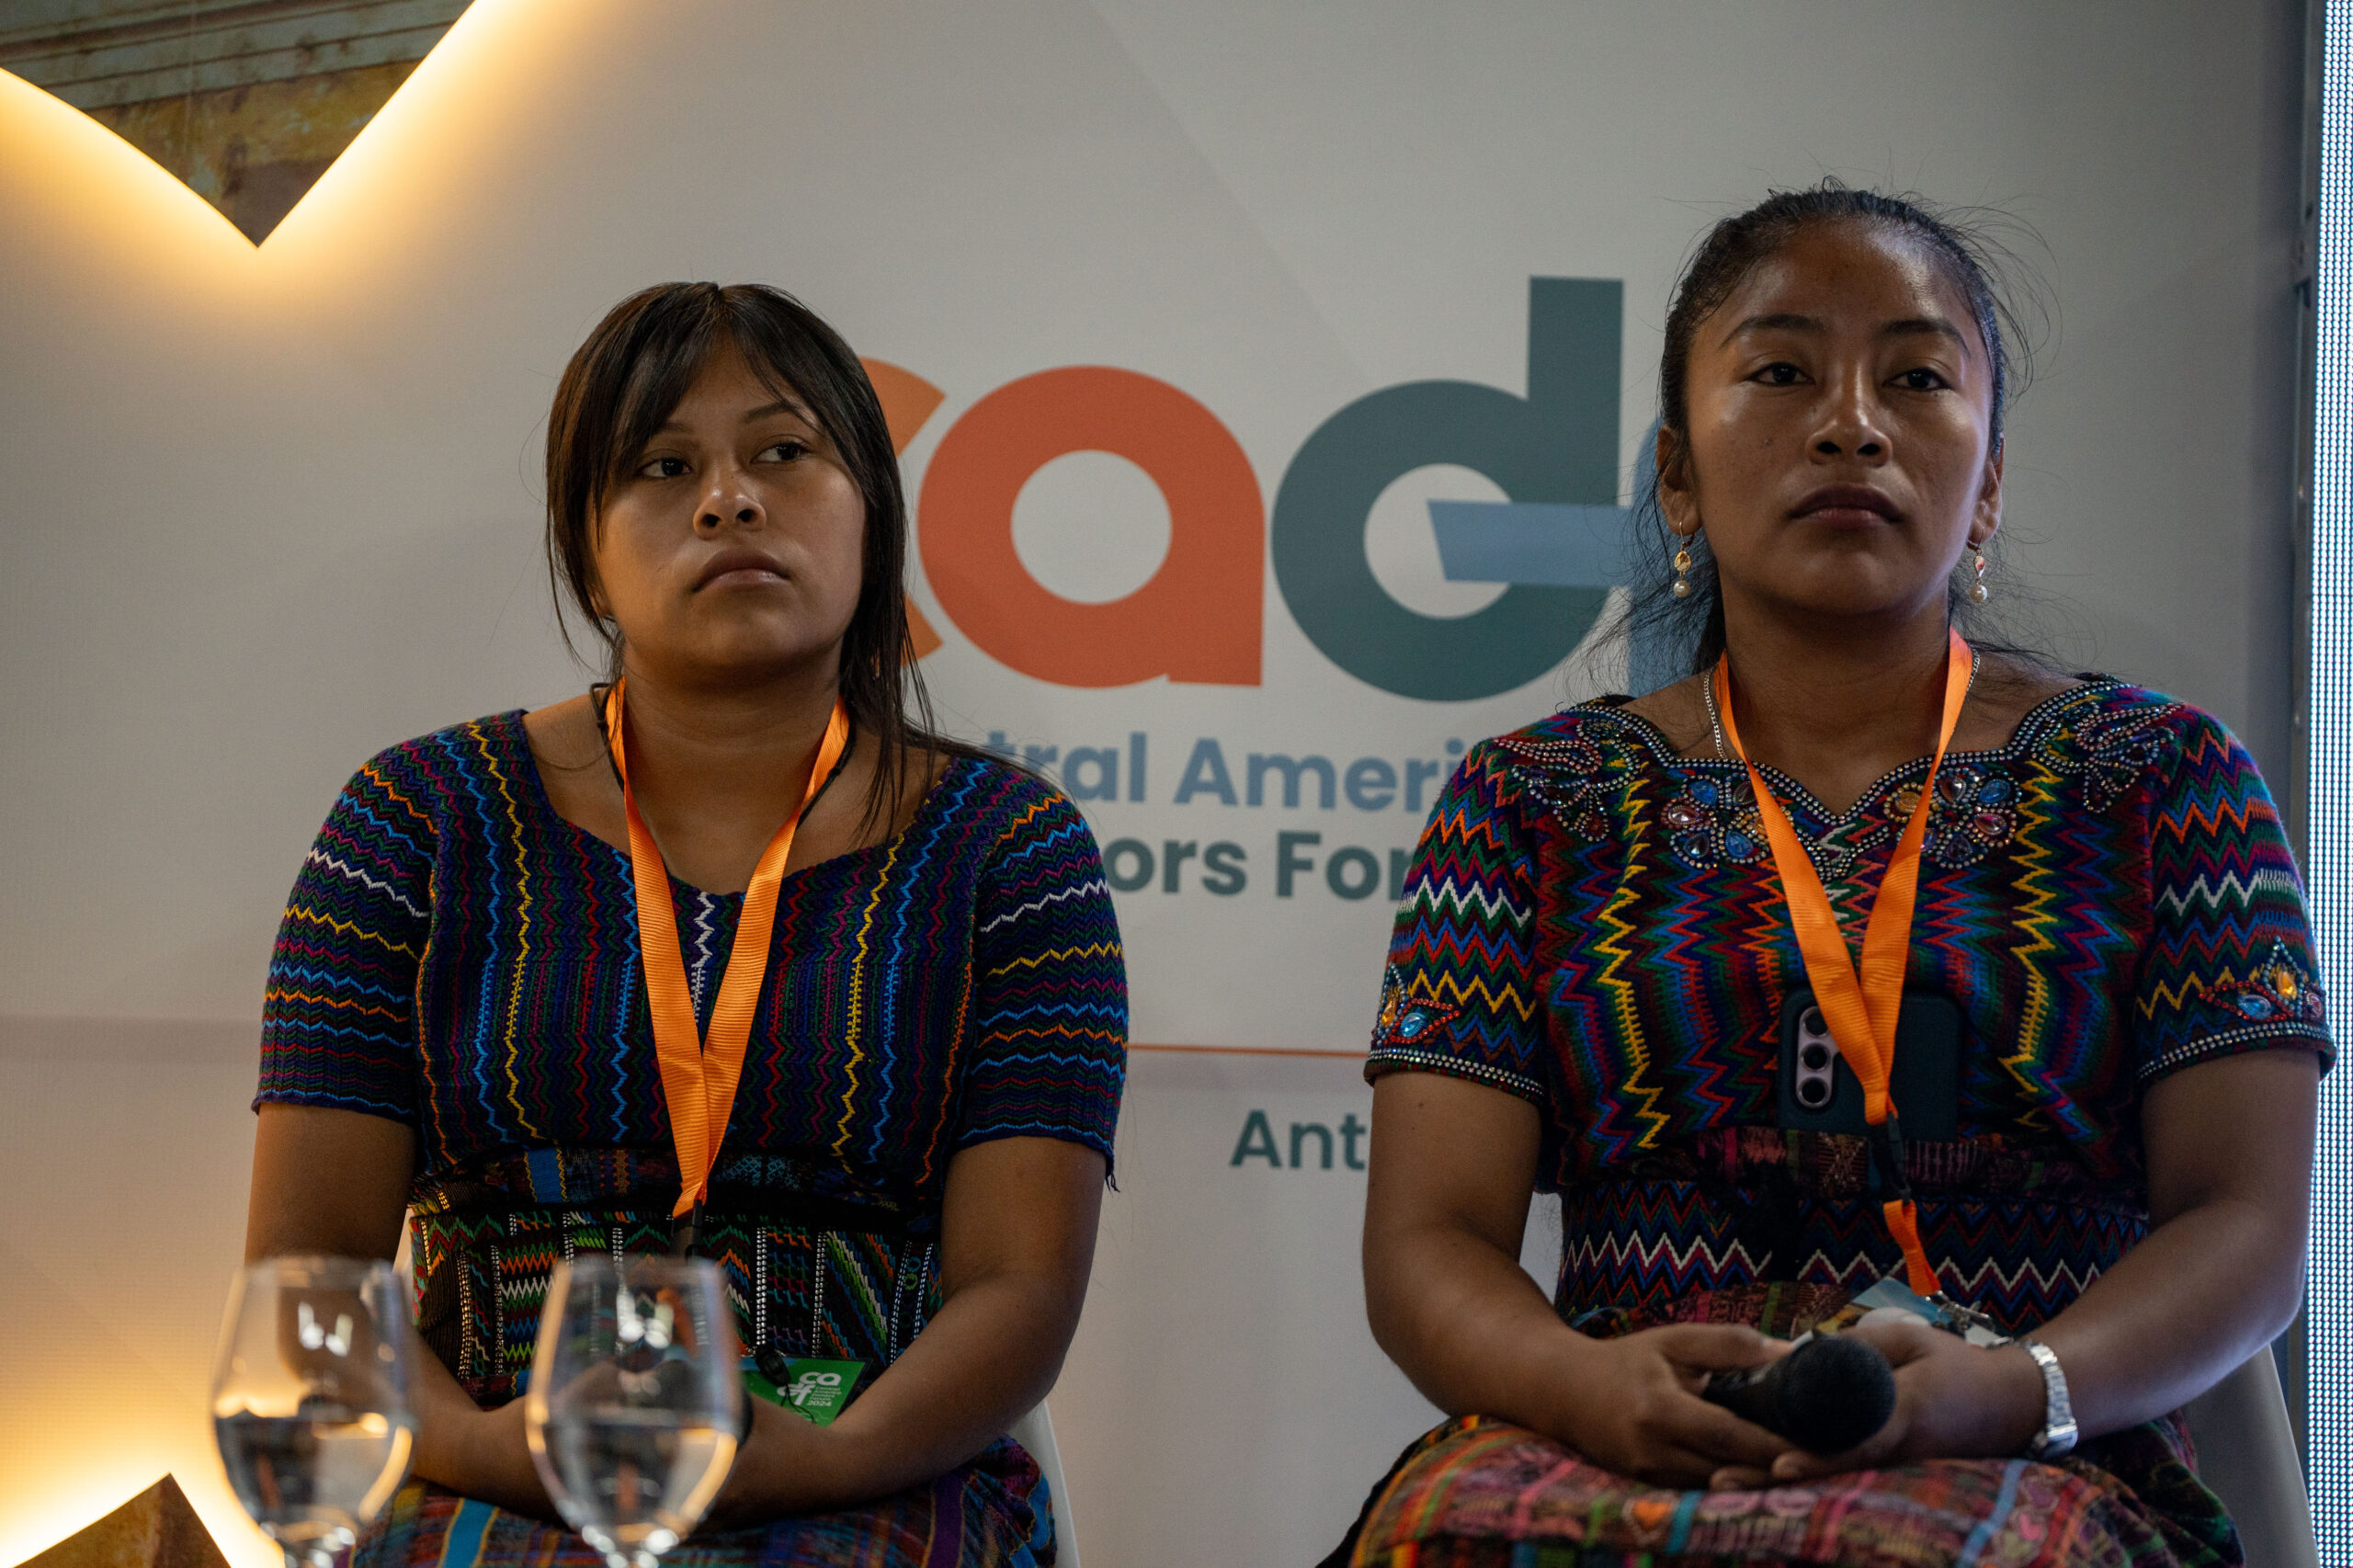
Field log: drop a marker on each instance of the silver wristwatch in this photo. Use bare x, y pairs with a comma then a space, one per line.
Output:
2059, 1430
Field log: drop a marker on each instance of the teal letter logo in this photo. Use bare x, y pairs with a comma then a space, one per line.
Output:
1257, 1143
1555, 452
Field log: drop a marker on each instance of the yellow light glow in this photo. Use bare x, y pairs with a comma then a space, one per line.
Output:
65, 165
37, 1524
69, 169
34, 1518
448, 109
224, 1516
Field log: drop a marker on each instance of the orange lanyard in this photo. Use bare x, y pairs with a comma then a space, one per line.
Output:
698, 1075
1861, 1009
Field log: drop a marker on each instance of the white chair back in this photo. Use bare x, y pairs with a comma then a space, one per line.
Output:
1035, 1432
2247, 1452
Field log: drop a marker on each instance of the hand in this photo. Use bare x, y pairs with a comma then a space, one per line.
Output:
786, 1465
1634, 1405
1953, 1400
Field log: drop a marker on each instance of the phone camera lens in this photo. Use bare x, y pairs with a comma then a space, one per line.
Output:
1814, 1057
1810, 1022
1814, 1094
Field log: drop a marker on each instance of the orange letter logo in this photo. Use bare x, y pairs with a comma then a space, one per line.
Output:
1198, 619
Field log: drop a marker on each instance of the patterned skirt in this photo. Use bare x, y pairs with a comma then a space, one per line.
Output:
1477, 1492
992, 1513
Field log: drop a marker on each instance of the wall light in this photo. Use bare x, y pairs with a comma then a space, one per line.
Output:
247, 102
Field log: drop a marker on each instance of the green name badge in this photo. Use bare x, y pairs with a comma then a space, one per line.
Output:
804, 1384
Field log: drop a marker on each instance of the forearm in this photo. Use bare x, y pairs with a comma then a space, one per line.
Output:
2203, 1293
445, 1415
1468, 1326
1016, 1241
2230, 1151
471, 1451
336, 1182
987, 1356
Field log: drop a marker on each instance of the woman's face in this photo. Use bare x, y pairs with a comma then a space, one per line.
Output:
1838, 449
734, 547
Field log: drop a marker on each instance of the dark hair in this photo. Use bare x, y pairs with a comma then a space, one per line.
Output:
627, 378
1964, 249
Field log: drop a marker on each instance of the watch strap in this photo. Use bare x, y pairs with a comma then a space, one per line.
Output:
2059, 1429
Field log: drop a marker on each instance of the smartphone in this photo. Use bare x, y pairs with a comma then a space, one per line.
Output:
1819, 1093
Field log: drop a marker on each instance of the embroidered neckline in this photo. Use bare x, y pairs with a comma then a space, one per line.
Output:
506, 730
2034, 730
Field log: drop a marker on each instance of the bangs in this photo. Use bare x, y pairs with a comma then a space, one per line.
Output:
655, 365
653, 376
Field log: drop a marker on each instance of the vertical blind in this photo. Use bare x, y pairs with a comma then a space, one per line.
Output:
2329, 811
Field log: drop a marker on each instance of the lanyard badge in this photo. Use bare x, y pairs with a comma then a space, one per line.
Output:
1860, 1007
700, 1075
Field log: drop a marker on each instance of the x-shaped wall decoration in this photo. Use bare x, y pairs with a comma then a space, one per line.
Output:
247, 102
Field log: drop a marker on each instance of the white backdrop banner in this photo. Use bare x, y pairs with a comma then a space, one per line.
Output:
1268, 374
1256, 702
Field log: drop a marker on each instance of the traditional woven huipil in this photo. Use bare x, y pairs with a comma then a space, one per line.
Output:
458, 957
1593, 924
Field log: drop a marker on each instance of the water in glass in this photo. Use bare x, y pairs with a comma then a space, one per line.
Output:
310, 1399
634, 1400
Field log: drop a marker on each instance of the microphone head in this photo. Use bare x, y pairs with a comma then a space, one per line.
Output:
1836, 1392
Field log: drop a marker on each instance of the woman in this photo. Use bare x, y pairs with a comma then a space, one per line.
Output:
510, 933
1612, 948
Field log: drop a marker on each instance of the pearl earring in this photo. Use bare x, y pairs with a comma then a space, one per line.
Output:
1683, 572
1977, 594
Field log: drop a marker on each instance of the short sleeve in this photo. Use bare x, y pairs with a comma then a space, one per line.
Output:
2229, 966
1049, 983
338, 1015
1460, 995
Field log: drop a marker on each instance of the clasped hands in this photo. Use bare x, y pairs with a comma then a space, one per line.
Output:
786, 1465
1632, 1406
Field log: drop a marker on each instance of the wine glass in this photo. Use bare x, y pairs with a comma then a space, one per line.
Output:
634, 1400
310, 1399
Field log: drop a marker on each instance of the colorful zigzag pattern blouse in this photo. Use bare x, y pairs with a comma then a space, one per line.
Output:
1594, 923
458, 957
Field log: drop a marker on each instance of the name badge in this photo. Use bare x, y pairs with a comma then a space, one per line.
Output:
806, 1385
1892, 1295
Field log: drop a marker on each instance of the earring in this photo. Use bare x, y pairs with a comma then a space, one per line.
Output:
1977, 594
1683, 572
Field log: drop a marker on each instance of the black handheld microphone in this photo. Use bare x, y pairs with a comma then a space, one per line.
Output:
1826, 1396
